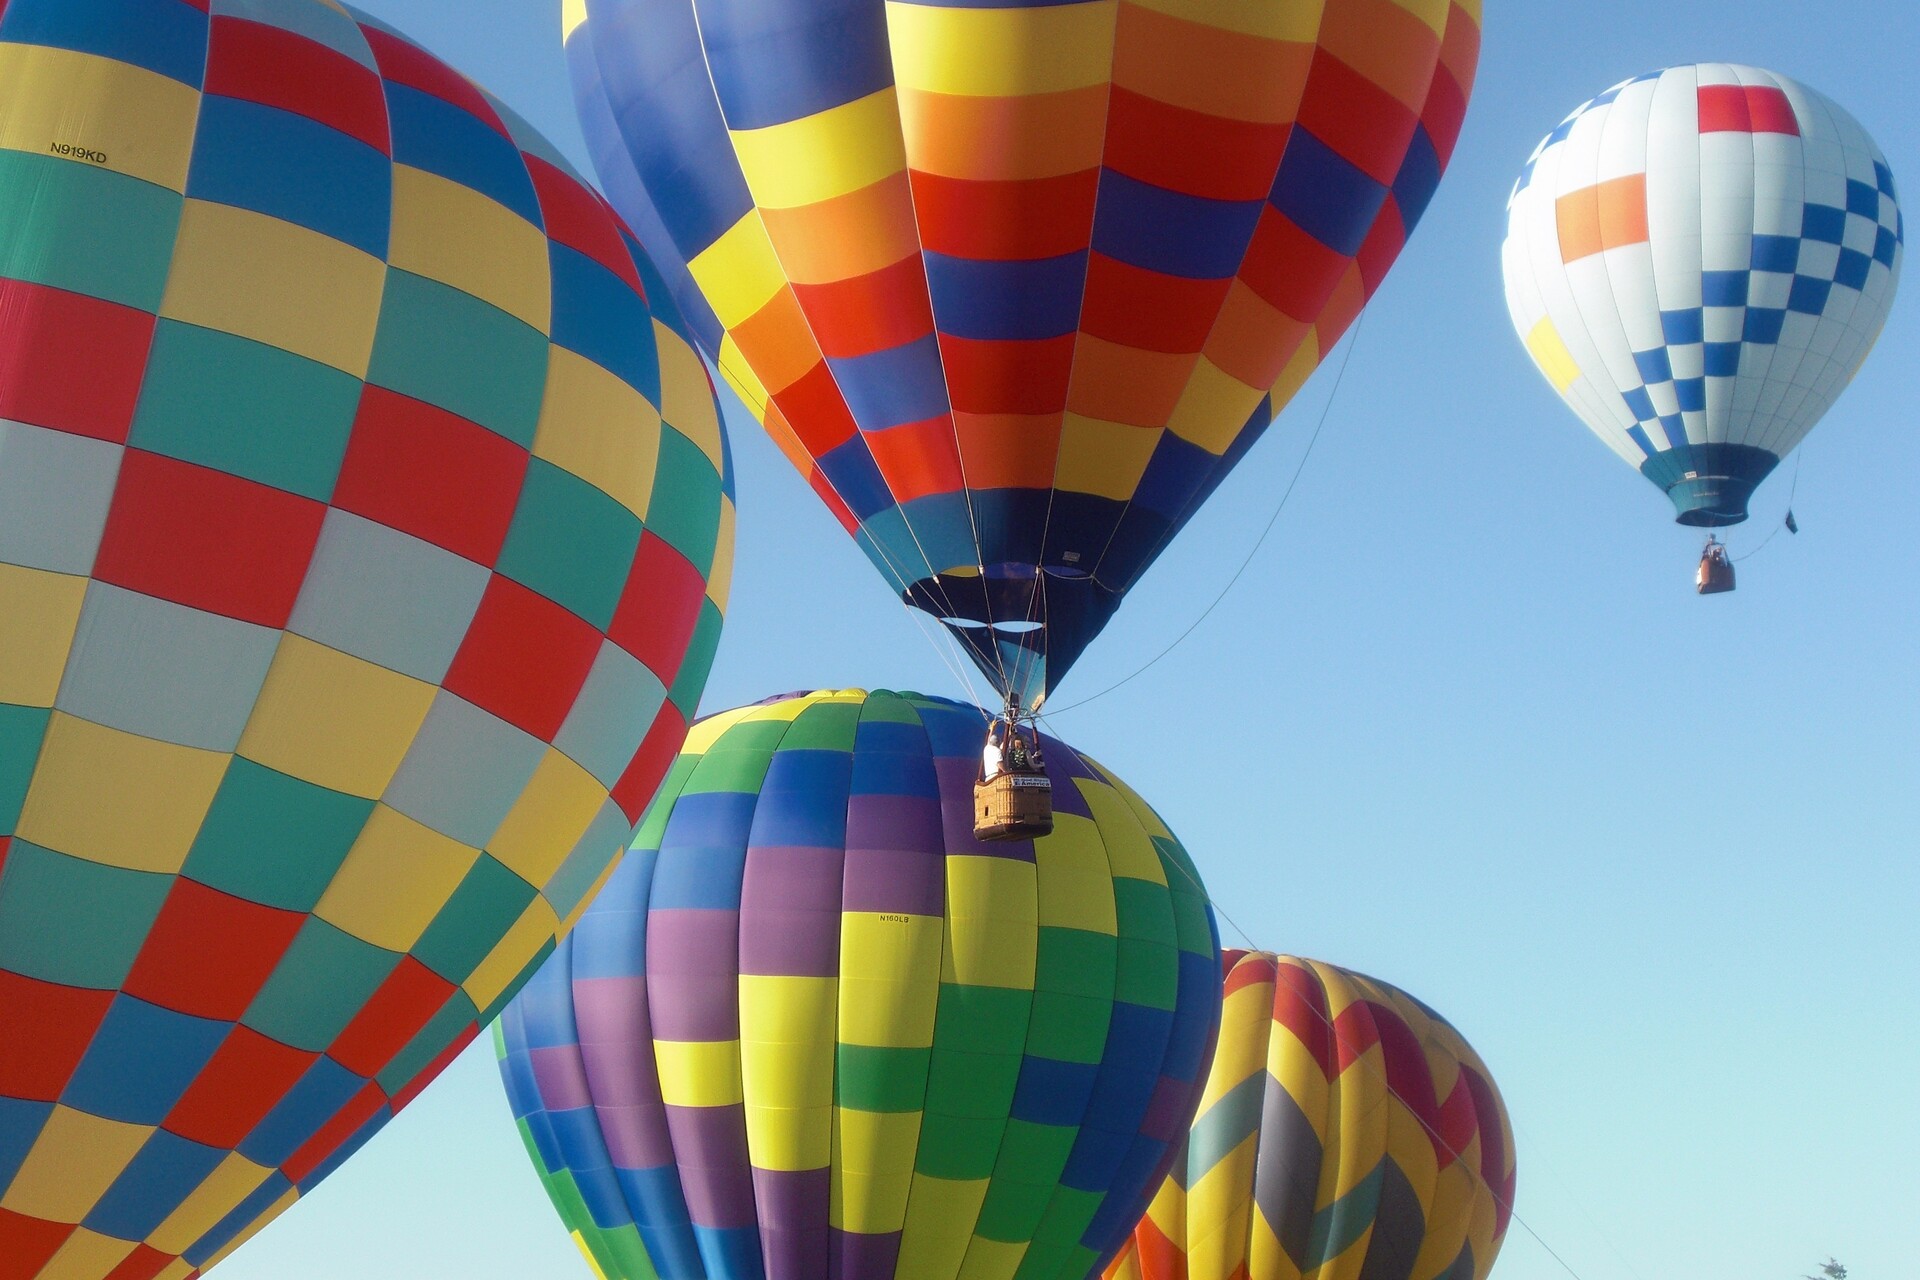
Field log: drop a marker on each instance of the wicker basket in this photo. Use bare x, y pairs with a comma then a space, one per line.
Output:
1013, 806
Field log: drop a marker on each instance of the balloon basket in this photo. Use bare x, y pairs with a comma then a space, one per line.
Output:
1013, 806
1715, 574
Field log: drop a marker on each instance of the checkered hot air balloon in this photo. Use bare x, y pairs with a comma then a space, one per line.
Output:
813, 1029
1346, 1131
364, 533
1014, 285
1699, 260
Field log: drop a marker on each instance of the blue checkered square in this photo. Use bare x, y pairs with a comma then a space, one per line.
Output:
1691, 393
1885, 247
1723, 359
1884, 177
1685, 325
1809, 295
1724, 288
1823, 223
1654, 365
1639, 404
1863, 200
1853, 269
1776, 253
1763, 324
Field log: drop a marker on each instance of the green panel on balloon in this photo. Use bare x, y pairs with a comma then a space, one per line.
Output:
73, 922
571, 543
683, 509
481, 910
206, 393
21, 731
878, 1078
86, 230
309, 828
320, 985
495, 375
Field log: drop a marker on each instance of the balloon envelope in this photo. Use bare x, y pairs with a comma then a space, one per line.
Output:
1015, 285
1346, 1131
363, 541
1699, 260
813, 1029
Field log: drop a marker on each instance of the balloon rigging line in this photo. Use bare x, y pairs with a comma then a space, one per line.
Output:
1340, 376
1798, 455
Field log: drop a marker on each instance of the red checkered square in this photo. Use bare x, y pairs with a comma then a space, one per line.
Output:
27, 1244
634, 792
279, 68
414, 67
1149, 310
524, 658
659, 608
69, 362
1287, 267
432, 474
233, 1093
203, 538
35, 1064
1364, 124
208, 953
579, 219
144, 1263
405, 1002
1733, 108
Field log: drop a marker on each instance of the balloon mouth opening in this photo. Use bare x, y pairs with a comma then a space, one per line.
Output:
1710, 484
1704, 519
1011, 627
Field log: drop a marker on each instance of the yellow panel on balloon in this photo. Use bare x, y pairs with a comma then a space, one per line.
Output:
279, 284
115, 115
327, 717
1001, 52
117, 798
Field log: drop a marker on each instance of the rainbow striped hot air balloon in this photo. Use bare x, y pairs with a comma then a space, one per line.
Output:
364, 531
1014, 285
1346, 1131
813, 1029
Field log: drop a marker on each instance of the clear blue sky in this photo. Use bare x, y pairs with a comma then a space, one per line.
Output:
1463, 725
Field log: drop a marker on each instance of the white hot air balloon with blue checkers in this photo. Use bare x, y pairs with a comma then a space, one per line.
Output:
1699, 261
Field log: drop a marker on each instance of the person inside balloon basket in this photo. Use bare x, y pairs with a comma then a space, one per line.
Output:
993, 755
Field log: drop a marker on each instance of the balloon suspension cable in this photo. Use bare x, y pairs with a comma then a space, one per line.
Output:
1377, 1071
1791, 492
1340, 376
942, 640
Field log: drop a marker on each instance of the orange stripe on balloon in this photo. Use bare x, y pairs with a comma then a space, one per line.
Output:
850, 235
1605, 216
1040, 135
1208, 69
1008, 451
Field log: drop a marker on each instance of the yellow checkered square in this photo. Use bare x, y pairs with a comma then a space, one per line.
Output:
117, 798
394, 881
329, 718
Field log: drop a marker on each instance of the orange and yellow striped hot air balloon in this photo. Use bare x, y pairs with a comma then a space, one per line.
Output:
1346, 1130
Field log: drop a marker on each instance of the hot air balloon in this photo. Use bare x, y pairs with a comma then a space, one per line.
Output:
364, 535
1699, 260
1012, 285
1346, 1130
812, 1028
